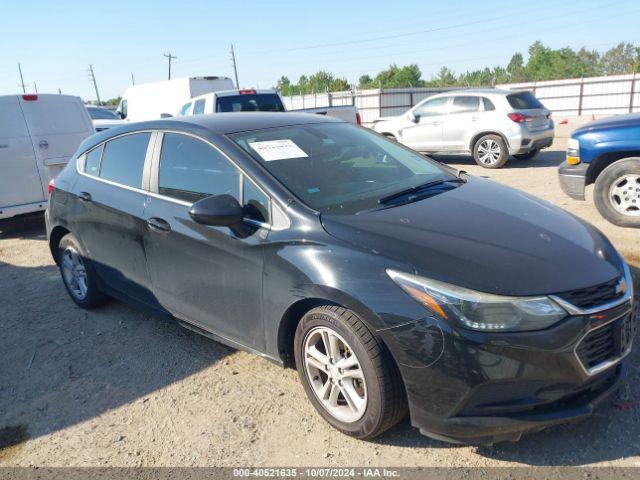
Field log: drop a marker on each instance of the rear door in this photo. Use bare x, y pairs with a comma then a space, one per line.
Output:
57, 124
425, 134
460, 122
19, 178
107, 213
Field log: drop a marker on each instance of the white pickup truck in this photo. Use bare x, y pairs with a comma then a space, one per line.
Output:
257, 101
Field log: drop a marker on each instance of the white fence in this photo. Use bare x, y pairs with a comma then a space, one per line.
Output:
577, 96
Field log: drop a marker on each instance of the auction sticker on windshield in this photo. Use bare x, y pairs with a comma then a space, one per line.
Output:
278, 150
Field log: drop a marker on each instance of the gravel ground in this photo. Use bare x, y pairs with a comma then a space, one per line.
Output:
121, 387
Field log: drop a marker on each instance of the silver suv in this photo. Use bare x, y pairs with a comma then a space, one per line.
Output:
490, 124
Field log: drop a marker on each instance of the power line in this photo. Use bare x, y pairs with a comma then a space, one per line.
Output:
24, 90
419, 32
170, 57
92, 77
235, 67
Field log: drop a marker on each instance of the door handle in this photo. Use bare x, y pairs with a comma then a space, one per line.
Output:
43, 144
84, 196
159, 224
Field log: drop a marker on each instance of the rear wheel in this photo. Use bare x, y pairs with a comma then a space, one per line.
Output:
527, 156
348, 376
78, 275
617, 193
490, 151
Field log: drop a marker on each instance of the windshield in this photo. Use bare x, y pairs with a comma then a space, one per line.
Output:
338, 168
257, 102
102, 114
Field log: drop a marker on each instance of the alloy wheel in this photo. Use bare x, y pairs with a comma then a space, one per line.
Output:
488, 151
74, 273
624, 195
335, 374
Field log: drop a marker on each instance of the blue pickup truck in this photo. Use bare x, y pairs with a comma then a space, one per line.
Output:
606, 152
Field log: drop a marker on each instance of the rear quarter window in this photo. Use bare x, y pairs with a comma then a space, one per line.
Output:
524, 101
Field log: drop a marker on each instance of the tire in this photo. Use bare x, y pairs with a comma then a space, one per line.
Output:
490, 151
617, 193
528, 155
78, 275
381, 398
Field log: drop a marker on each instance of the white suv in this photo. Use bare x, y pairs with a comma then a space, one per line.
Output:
490, 124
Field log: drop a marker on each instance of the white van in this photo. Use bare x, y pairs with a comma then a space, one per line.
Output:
38, 135
150, 101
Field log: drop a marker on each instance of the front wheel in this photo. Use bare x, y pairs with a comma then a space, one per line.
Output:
490, 151
349, 377
617, 193
527, 156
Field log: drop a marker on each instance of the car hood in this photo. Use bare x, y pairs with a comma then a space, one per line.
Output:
486, 237
629, 120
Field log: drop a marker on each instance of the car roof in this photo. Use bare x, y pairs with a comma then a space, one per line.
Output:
474, 91
216, 123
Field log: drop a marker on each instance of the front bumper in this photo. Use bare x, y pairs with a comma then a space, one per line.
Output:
483, 388
573, 179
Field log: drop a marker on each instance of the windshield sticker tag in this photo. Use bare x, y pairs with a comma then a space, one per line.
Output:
278, 150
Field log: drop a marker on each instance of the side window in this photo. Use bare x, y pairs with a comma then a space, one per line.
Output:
256, 203
430, 108
124, 109
465, 104
488, 104
191, 170
92, 161
123, 159
185, 109
198, 107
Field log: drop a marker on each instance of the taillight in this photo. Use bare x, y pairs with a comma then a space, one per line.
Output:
52, 185
358, 119
30, 97
247, 92
518, 117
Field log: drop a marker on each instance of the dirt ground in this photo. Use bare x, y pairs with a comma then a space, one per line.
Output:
122, 387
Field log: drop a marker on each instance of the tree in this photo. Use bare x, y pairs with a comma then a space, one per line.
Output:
623, 58
516, 69
365, 81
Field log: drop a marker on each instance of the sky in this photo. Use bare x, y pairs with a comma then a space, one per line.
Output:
55, 42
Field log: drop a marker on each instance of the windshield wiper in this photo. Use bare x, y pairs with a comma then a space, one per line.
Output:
418, 188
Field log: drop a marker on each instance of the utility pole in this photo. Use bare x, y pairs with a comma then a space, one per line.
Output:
35, 87
133, 80
235, 67
170, 57
24, 90
92, 77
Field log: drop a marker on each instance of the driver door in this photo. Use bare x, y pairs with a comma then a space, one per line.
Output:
425, 134
208, 276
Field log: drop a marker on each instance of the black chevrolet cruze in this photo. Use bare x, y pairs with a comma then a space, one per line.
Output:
390, 282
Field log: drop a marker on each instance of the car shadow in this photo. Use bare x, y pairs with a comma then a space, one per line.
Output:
546, 158
62, 365
25, 226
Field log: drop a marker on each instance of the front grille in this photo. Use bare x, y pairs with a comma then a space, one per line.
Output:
609, 342
594, 296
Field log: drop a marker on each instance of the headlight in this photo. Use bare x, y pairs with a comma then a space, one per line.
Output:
480, 311
573, 151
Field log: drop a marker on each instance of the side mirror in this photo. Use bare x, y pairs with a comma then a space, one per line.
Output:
219, 211
165, 115
413, 117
